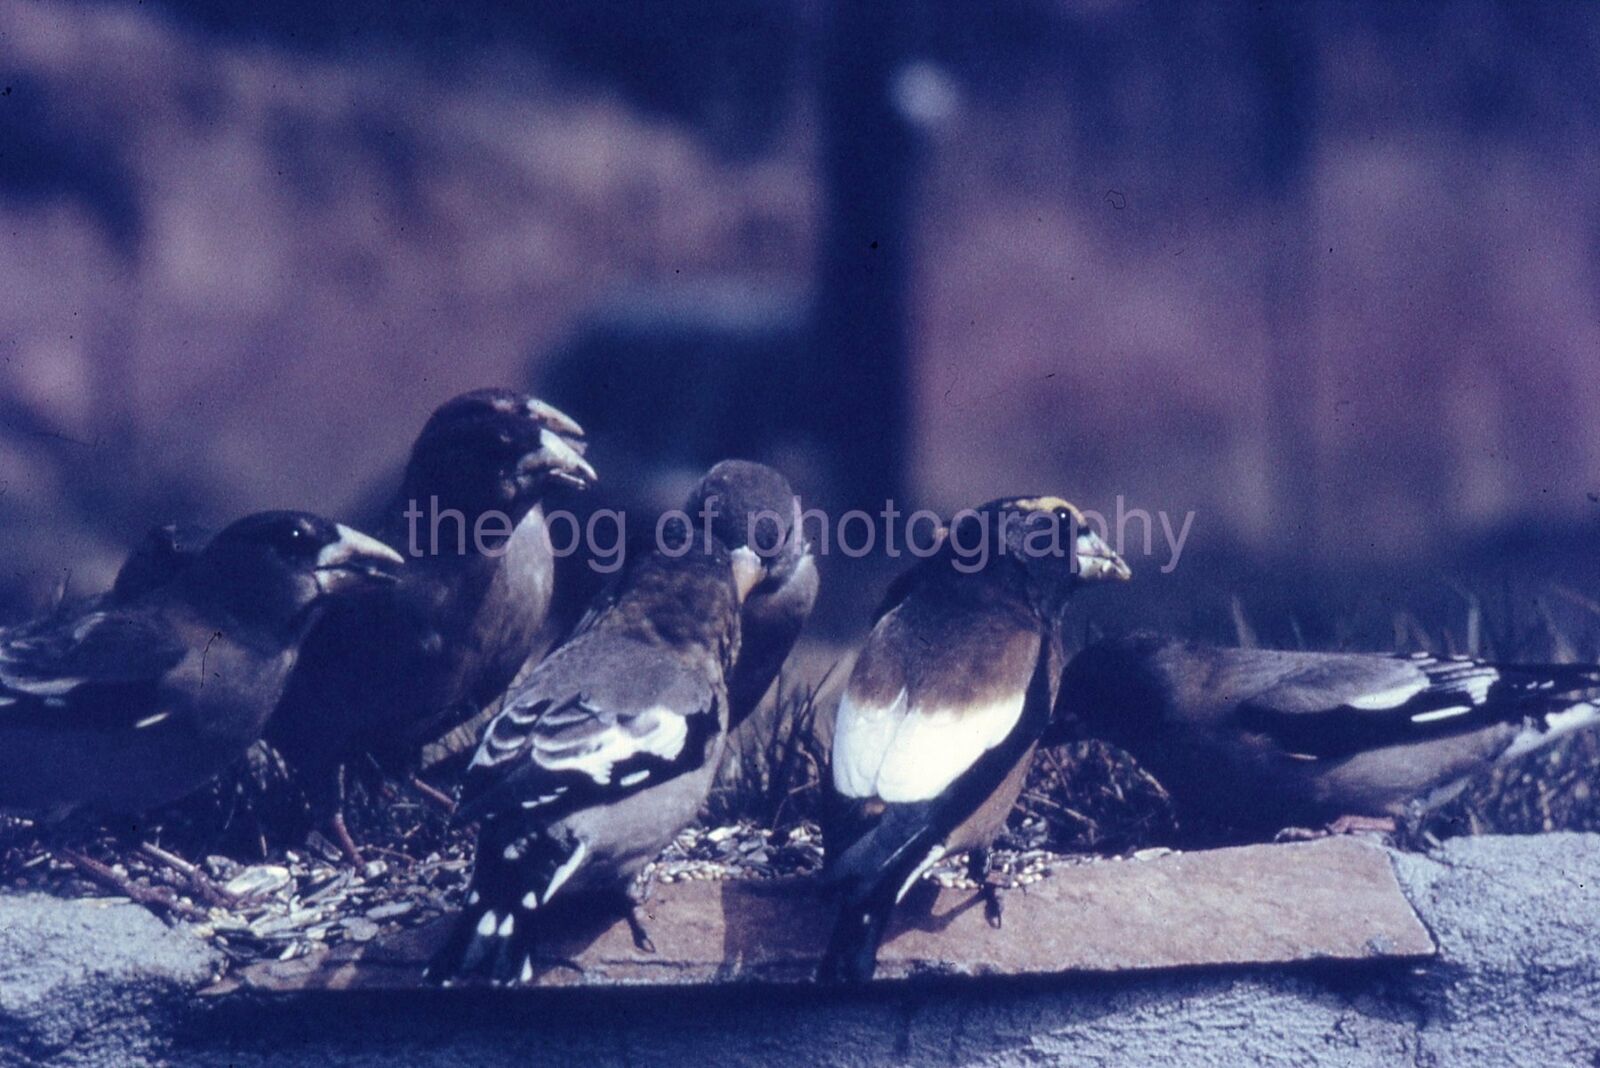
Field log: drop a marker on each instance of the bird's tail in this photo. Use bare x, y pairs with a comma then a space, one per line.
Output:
1552, 722
496, 936
852, 953
1546, 695
1549, 679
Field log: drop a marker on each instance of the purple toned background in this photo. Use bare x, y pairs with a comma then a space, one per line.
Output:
1327, 275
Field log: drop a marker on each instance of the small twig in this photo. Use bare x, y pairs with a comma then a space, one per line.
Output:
434, 794
152, 897
201, 883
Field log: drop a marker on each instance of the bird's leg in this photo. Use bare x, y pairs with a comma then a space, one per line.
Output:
341, 832
433, 793
1350, 824
1362, 825
978, 872
633, 900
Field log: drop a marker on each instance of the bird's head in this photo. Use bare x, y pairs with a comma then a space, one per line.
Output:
495, 449
271, 568
160, 557
751, 509
1046, 540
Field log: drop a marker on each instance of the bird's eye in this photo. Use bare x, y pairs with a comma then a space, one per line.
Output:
297, 541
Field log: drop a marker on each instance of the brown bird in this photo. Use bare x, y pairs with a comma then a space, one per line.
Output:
751, 505
137, 699
1261, 739
947, 700
387, 672
601, 755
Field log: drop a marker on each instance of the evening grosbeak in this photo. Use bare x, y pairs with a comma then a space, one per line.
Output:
384, 673
134, 701
1261, 739
947, 700
602, 753
751, 505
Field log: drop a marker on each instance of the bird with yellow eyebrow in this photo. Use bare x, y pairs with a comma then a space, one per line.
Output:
939, 720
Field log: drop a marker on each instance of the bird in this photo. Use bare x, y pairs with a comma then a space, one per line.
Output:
118, 707
1262, 739
385, 673
941, 713
158, 558
601, 754
749, 504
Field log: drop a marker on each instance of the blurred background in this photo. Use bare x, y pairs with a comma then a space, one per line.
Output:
1323, 274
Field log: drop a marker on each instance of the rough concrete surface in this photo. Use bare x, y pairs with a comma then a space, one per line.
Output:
90, 982
1517, 982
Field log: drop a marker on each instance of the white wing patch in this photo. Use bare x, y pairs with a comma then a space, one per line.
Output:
1440, 713
935, 855
901, 755
1393, 697
1461, 674
668, 732
862, 734
563, 873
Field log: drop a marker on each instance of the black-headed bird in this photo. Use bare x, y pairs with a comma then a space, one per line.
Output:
125, 705
1261, 739
158, 559
387, 672
601, 754
751, 505
947, 700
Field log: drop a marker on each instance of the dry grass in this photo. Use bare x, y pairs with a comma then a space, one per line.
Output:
773, 772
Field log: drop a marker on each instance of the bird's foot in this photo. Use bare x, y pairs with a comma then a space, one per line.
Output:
992, 910
641, 938
1362, 825
1351, 824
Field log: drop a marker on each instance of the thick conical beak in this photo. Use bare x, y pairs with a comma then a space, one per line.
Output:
748, 570
1095, 560
354, 559
554, 418
560, 459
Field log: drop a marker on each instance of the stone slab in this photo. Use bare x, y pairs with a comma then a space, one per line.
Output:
1334, 899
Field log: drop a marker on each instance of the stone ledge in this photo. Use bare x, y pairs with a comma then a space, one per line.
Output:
1332, 899
1516, 981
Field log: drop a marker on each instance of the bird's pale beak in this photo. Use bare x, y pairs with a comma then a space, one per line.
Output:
1096, 561
559, 459
748, 570
554, 418
355, 558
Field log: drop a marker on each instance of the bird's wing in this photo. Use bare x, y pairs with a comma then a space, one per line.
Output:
910, 763
573, 737
908, 744
88, 670
1332, 705
599, 606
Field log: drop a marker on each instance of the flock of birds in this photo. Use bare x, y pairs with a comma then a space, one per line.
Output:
333, 645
